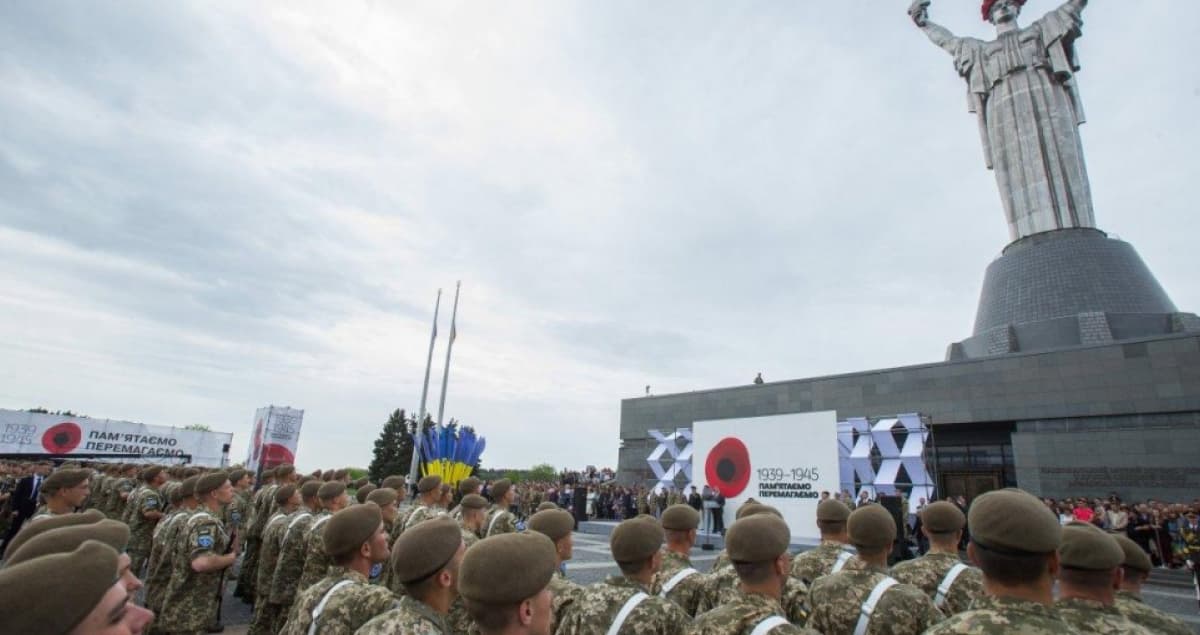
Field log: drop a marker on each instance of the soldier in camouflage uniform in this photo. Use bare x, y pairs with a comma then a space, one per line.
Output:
472, 514
557, 525
237, 511
341, 602
387, 500
429, 491
757, 546
941, 574
676, 579
504, 581
316, 562
1014, 537
500, 520
623, 603
63, 492
166, 534
252, 528
1136, 568
121, 490
145, 512
205, 550
866, 599
266, 615
469, 485
1090, 570
834, 551
425, 563
293, 549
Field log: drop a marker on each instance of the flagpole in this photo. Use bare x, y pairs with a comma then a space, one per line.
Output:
449, 347
416, 456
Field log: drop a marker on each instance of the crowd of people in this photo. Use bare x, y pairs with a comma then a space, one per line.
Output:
123, 548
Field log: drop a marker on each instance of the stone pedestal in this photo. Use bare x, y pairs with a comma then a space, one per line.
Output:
1071, 287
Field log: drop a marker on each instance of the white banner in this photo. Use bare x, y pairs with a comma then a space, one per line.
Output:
785, 461
34, 433
274, 437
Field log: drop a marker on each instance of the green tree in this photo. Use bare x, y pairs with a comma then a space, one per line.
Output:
543, 472
393, 448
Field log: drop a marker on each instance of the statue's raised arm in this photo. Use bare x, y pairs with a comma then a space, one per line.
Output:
1022, 87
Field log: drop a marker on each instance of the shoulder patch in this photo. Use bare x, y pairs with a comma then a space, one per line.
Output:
204, 541
376, 571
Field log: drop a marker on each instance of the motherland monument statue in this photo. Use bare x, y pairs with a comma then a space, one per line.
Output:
1022, 87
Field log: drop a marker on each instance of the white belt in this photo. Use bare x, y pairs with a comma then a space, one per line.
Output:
493, 523
948, 581
676, 579
765, 626
312, 627
623, 614
868, 607
842, 559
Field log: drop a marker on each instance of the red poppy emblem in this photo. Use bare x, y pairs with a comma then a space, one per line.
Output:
728, 467
62, 438
275, 455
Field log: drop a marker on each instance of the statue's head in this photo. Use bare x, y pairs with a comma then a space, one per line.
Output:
1001, 11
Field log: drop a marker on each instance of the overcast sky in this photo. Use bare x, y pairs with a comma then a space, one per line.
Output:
208, 207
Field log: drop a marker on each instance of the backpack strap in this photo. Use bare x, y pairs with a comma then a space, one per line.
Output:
492, 524
312, 627
944, 588
841, 561
868, 607
622, 615
676, 579
765, 626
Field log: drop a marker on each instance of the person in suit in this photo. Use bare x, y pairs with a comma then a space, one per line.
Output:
25, 498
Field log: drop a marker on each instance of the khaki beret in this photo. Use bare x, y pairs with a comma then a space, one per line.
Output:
340, 474
361, 493
350, 528
469, 485
429, 483
113, 533
425, 549
832, 511
635, 540
1085, 546
327, 475
754, 509
310, 489
943, 518
543, 506
268, 473
1135, 558
500, 488
507, 569
64, 479
59, 607
187, 488
680, 518
284, 494
237, 475
871, 527
174, 493
382, 496
31, 530
362, 482
210, 482
757, 538
150, 473
1013, 521
395, 482
331, 490
474, 501
284, 471
555, 523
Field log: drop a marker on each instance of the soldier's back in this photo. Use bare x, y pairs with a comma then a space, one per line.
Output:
290, 562
931, 572
598, 607
720, 587
1090, 616
677, 580
316, 561
1134, 608
744, 614
819, 561
837, 604
191, 596
1004, 615
350, 601
409, 617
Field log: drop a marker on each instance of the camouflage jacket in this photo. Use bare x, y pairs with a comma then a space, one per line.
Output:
346, 609
686, 591
236, 511
721, 562
722, 586
191, 597
1090, 616
817, 562
409, 617
993, 616
1138, 612
290, 563
260, 511
597, 607
837, 601
141, 529
268, 550
469, 537
565, 593
420, 514
316, 562
499, 521
742, 614
929, 571
158, 570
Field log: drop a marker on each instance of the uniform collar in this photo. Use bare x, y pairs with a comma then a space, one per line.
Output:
626, 583
425, 611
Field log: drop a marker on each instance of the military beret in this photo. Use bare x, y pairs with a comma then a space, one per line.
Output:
310, 489
543, 506
469, 485
429, 483
187, 488
1135, 558
555, 523
64, 479
315, 474
754, 509
474, 501
210, 482
152, 472
327, 475
500, 488
331, 490
871, 527
284, 471
394, 481
680, 517
1014, 521
943, 518
507, 569
635, 540
425, 549
31, 530
382, 496
757, 538
237, 475
268, 473
59, 607
174, 493
363, 491
362, 482
284, 494
113, 533
340, 474
832, 511
191, 471
1085, 546
350, 528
